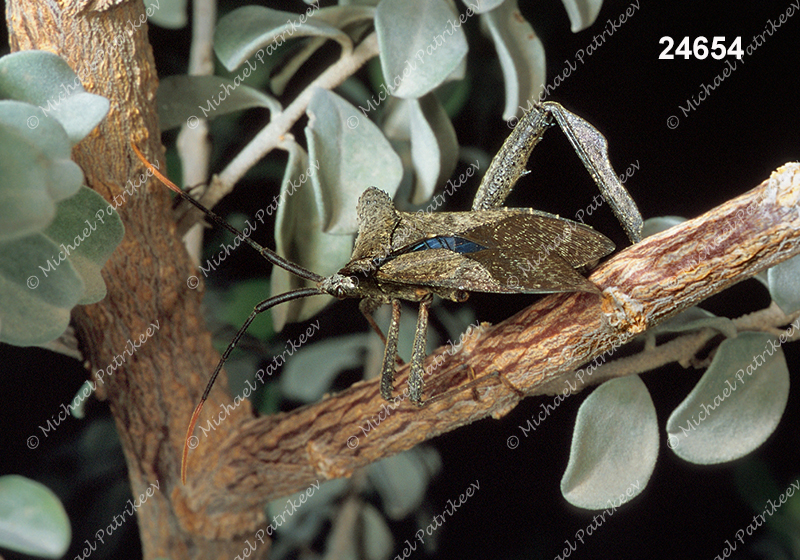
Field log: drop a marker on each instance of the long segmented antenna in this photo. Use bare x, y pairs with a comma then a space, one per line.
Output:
268, 254
260, 308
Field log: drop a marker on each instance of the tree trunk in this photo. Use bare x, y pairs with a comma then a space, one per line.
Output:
152, 395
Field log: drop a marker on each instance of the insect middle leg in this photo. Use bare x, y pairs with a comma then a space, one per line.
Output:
416, 380
390, 353
416, 374
367, 307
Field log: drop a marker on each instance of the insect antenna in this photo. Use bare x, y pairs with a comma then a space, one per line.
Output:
268, 303
260, 308
268, 254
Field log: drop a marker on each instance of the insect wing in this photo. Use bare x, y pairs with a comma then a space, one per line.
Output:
539, 235
524, 251
521, 273
501, 271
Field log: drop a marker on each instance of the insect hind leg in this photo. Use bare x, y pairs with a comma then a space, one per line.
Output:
473, 384
511, 161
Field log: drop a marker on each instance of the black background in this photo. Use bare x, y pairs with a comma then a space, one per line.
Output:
745, 128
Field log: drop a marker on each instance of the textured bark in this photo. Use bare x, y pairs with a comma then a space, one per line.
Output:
152, 395
244, 462
642, 286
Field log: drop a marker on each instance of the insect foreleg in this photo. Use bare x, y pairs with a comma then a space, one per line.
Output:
367, 307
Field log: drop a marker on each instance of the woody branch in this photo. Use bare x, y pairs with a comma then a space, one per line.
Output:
535, 350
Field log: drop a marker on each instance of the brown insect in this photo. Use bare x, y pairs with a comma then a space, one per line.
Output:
406, 256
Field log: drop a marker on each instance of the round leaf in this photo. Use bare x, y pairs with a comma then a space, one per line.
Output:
614, 445
694, 319
35, 297
352, 154
784, 285
582, 13
402, 480
434, 147
736, 405
88, 226
347, 18
303, 520
656, 225
483, 6
170, 14
378, 541
37, 170
44, 79
421, 42
309, 374
32, 519
44, 275
299, 238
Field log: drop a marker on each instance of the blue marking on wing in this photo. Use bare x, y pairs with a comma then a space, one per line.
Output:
455, 244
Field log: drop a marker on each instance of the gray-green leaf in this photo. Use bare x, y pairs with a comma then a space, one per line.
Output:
378, 542
308, 516
784, 285
309, 374
521, 56
92, 245
44, 79
44, 275
421, 42
346, 18
180, 98
614, 445
255, 30
736, 405
401, 480
299, 237
170, 14
352, 155
37, 170
32, 519
694, 319
434, 146
482, 6
656, 225
35, 310
582, 13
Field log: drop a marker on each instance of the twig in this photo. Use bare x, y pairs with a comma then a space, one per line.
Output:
194, 147
684, 348
266, 140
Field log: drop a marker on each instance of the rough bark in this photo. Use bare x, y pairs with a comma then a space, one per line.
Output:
536, 350
152, 395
